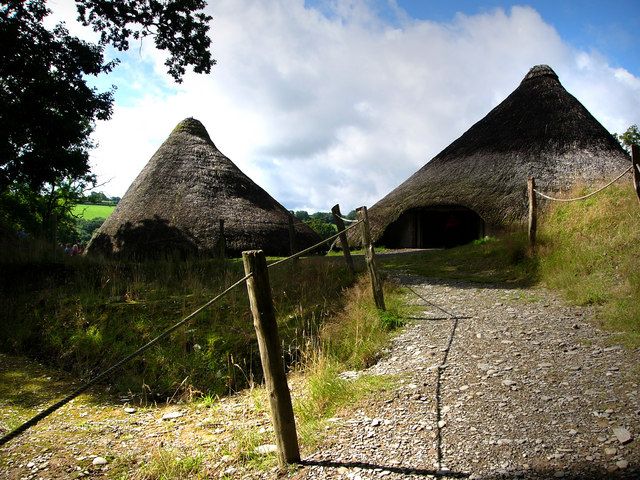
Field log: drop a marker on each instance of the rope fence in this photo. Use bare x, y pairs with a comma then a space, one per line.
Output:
313, 247
583, 197
105, 374
259, 292
532, 192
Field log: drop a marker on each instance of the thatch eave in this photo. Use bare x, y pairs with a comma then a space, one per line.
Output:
187, 186
539, 130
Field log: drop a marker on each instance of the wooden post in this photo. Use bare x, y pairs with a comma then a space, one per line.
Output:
369, 256
533, 226
222, 243
635, 158
337, 217
292, 236
264, 321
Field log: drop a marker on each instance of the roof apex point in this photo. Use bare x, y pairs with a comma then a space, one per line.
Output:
192, 126
540, 71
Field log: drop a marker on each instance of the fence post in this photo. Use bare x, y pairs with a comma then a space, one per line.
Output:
337, 217
370, 258
635, 158
264, 321
533, 207
222, 244
292, 237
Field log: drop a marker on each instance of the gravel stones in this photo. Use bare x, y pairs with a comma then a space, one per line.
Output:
622, 434
523, 393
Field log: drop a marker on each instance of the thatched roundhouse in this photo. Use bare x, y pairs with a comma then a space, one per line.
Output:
174, 206
477, 185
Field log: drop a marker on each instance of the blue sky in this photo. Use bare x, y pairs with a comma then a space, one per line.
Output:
330, 101
609, 26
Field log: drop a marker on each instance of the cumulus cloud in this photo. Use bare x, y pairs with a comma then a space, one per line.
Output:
338, 104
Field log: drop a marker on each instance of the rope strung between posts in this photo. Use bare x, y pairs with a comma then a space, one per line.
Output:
313, 247
45, 413
48, 411
584, 196
348, 220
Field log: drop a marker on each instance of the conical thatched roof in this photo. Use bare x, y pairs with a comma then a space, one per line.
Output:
175, 203
539, 130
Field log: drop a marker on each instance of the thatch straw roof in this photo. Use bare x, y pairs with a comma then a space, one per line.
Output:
539, 130
174, 205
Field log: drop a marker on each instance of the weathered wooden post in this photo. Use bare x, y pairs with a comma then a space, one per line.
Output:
533, 226
337, 217
264, 321
369, 255
222, 243
292, 237
635, 158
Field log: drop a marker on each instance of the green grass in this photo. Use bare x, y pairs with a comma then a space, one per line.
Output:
89, 212
167, 464
83, 315
491, 260
590, 251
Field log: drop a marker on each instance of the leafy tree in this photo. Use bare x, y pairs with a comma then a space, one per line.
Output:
628, 138
85, 229
96, 198
301, 215
326, 217
322, 228
47, 110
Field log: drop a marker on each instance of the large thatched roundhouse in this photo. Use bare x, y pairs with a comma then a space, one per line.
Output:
477, 185
174, 206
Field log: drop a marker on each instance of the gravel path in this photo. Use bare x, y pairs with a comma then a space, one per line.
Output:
518, 386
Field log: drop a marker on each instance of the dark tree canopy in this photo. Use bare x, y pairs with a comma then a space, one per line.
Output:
173, 25
47, 110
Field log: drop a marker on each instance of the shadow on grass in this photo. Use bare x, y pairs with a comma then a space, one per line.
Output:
27, 385
495, 264
579, 471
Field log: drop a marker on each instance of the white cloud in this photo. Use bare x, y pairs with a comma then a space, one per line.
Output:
320, 108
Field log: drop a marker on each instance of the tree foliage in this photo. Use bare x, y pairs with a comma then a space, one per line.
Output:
173, 25
47, 109
630, 137
322, 228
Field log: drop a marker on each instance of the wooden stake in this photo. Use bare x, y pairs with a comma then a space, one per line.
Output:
635, 158
337, 217
292, 236
531, 185
222, 244
369, 255
264, 321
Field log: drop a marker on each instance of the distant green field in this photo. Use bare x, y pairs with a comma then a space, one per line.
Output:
93, 211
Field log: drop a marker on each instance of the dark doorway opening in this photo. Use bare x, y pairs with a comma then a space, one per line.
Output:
434, 227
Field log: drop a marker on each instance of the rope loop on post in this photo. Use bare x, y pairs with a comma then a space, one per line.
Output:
583, 197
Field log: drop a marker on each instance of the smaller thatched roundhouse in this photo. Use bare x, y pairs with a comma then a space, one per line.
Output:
174, 206
477, 185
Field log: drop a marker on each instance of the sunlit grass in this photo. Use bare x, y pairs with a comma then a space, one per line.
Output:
590, 251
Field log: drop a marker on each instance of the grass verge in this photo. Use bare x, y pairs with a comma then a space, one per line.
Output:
83, 315
89, 212
590, 251
502, 260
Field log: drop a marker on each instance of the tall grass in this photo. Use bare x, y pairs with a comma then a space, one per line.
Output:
89, 211
503, 260
83, 315
352, 339
590, 250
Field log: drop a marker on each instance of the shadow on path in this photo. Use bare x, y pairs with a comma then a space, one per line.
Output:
369, 466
